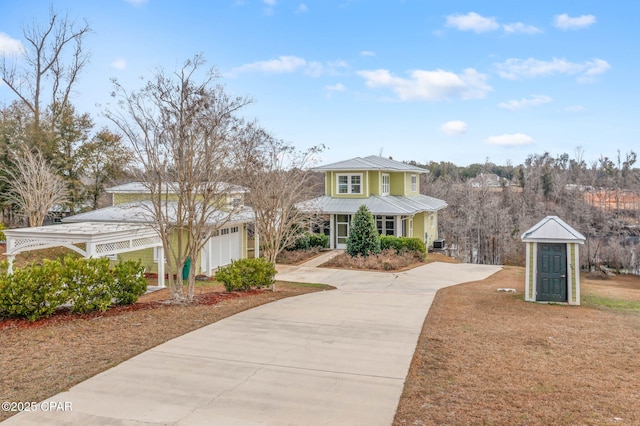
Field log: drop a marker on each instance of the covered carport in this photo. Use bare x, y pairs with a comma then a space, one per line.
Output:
89, 239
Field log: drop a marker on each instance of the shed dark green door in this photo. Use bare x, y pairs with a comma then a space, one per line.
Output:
551, 285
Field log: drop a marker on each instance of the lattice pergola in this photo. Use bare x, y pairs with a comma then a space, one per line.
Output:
99, 239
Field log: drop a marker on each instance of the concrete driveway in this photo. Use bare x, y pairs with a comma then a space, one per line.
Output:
330, 358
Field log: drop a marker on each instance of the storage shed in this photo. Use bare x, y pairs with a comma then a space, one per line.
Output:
552, 262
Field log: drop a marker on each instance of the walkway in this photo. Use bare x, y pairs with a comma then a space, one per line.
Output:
329, 358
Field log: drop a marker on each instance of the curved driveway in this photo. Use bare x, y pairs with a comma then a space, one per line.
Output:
329, 358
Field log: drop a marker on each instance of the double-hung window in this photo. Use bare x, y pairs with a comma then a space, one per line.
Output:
350, 184
386, 184
414, 183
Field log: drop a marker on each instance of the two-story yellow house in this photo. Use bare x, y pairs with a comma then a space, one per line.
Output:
390, 190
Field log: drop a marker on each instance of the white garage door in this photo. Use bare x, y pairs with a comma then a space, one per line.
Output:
221, 249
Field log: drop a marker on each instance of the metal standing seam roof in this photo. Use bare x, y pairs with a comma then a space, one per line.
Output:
552, 229
142, 188
377, 205
140, 212
372, 162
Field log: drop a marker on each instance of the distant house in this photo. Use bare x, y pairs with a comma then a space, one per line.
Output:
488, 180
390, 190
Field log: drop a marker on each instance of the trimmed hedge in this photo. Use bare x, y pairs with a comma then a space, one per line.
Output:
36, 291
243, 274
400, 244
309, 240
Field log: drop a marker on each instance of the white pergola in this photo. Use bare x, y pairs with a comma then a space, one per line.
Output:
99, 238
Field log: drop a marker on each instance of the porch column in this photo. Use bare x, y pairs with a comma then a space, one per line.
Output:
160, 266
332, 236
256, 245
398, 226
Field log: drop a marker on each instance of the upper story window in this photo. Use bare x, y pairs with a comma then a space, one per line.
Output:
350, 184
386, 184
414, 183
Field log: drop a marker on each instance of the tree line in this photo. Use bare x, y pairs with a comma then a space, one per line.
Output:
490, 206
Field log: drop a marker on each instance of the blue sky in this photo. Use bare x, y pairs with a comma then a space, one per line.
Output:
459, 81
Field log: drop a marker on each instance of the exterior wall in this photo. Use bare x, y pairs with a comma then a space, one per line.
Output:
573, 273
375, 182
530, 276
397, 181
333, 181
407, 179
145, 256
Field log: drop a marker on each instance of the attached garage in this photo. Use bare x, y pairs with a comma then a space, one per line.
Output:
225, 246
552, 262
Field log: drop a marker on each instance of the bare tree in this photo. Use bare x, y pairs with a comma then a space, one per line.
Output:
52, 60
278, 178
182, 133
34, 186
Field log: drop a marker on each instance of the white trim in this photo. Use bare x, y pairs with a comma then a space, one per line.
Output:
382, 191
349, 184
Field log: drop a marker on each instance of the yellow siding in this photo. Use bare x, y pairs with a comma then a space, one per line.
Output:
418, 226
531, 266
575, 271
374, 182
365, 184
397, 183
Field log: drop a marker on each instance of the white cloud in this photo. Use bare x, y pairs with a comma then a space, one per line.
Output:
302, 8
520, 28
281, 65
10, 46
516, 139
454, 127
367, 53
566, 22
515, 69
515, 104
119, 64
430, 85
472, 22
575, 108
291, 64
338, 87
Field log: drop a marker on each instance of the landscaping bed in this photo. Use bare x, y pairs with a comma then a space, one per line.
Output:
488, 357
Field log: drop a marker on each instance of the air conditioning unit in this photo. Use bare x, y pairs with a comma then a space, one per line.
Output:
439, 243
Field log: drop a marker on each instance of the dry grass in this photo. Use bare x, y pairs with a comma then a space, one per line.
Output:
49, 356
487, 357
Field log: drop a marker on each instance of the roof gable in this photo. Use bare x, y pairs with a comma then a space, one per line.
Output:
372, 162
552, 229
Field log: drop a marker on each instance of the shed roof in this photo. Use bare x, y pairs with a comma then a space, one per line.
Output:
372, 162
552, 229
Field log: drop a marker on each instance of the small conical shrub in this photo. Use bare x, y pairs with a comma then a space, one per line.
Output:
363, 236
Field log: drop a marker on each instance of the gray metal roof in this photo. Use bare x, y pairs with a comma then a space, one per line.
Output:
170, 187
372, 162
377, 205
140, 212
552, 229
